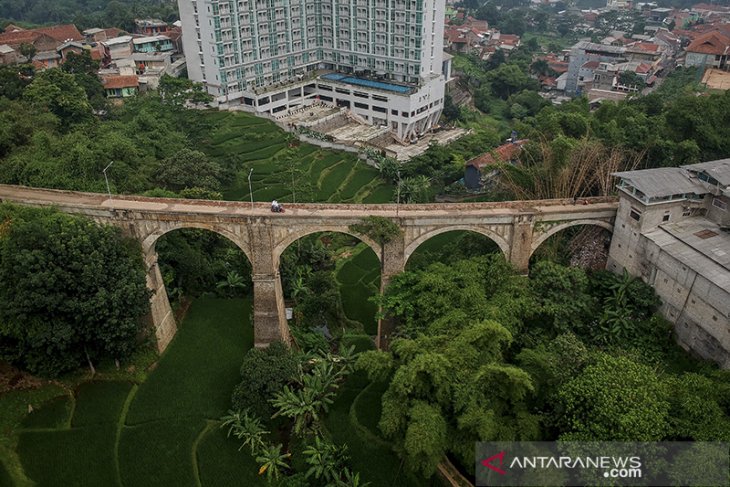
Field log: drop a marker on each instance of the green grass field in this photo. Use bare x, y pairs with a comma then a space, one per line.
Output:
114, 433
314, 174
359, 280
165, 430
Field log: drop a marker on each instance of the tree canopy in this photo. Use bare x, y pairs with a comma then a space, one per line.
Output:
71, 291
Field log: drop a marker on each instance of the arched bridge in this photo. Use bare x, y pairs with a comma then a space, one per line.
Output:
517, 227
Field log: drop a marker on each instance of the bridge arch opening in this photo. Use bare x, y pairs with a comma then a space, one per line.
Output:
580, 243
328, 278
204, 269
451, 244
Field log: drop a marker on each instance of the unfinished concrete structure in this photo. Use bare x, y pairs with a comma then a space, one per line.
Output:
518, 228
673, 230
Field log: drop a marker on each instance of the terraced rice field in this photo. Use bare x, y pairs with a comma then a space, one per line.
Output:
161, 432
165, 430
282, 170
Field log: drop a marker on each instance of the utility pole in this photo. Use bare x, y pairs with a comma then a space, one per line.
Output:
108, 190
397, 200
250, 191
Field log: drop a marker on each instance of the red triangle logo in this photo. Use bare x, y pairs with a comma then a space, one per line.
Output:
488, 463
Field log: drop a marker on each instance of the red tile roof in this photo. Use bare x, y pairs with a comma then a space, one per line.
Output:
19, 37
116, 82
62, 33
714, 43
559, 67
504, 153
646, 46
112, 32
591, 65
59, 33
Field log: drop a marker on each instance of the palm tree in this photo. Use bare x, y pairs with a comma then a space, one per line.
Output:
304, 406
298, 286
234, 421
246, 427
325, 460
233, 281
273, 462
350, 479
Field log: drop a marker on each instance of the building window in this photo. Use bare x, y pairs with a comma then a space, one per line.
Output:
635, 214
361, 105
686, 211
718, 203
666, 216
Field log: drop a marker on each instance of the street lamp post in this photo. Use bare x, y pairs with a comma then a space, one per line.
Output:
397, 200
250, 191
108, 190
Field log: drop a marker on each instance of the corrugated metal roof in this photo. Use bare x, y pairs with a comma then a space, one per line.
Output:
664, 181
709, 257
719, 170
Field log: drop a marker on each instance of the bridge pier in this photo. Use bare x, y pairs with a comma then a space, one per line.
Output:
521, 249
393, 262
269, 314
163, 319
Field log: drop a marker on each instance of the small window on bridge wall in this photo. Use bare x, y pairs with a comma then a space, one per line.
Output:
635, 214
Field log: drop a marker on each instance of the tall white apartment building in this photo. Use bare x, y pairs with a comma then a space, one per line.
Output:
382, 59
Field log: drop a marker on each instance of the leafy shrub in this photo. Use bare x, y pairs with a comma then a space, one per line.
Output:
264, 372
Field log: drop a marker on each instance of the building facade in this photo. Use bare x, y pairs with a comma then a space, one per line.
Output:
673, 230
274, 55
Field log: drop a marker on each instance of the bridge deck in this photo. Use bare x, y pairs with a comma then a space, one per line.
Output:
319, 210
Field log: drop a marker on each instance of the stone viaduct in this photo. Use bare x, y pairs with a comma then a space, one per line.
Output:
518, 228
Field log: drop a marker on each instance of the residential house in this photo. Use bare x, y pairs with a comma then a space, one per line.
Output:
585, 57
120, 87
41, 42
659, 14
46, 60
506, 42
68, 47
45, 40
7, 55
482, 167
175, 35
150, 27
118, 47
94, 35
618, 4
709, 50
152, 44
461, 39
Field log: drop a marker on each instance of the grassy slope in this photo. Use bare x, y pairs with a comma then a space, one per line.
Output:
320, 175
